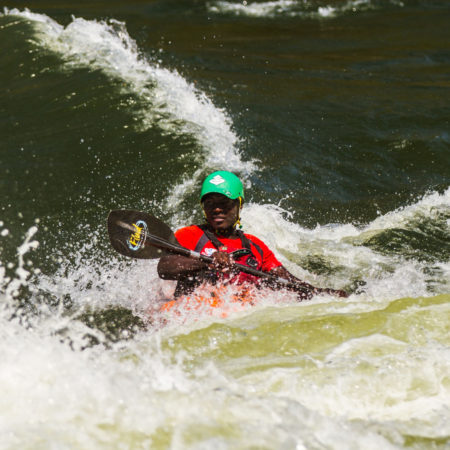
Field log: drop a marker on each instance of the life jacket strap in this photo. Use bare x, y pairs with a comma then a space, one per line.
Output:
208, 236
204, 239
246, 243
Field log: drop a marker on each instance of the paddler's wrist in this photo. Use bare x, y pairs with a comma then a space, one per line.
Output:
189, 265
173, 267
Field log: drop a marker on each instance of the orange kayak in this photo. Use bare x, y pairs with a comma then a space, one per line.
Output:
214, 298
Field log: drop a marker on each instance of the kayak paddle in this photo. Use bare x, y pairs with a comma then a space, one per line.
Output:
140, 235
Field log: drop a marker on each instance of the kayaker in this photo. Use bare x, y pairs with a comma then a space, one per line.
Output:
222, 198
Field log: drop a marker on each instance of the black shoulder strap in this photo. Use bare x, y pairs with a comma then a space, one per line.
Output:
246, 243
244, 240
208, 236
202, 241
212, 237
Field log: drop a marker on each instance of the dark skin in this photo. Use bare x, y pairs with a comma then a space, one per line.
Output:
221, 216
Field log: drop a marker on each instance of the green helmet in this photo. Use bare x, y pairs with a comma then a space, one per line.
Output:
223, 182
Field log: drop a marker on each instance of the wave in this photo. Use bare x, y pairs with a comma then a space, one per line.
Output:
402, 253
169, 101
371, 374
371, 369
294, 8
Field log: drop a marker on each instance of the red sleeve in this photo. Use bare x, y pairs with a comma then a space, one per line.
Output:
188, 236
269, 260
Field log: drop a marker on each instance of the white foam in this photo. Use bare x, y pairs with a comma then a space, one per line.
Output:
291, 8
386, 276
54, 397
252, 9
185, 378
371, 378
431, 205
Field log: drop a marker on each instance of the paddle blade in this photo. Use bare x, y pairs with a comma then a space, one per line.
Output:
139, 235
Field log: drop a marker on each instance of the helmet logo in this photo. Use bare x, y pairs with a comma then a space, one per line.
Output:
217, 180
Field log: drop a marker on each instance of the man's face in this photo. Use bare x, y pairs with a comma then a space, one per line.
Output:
221, 212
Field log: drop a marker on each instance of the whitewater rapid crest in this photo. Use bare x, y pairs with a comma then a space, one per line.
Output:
169, 101
295, 8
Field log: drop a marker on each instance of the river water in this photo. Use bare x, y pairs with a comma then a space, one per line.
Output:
336, 116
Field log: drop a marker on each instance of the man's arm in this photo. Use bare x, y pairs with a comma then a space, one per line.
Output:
311, 290
174, 267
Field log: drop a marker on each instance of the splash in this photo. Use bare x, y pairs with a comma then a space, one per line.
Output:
10, 286
323, 373
293, 8
172, 103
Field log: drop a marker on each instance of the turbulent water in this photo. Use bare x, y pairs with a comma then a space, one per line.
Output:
336, 116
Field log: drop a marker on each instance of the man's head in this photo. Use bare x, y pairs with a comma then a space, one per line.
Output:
225, 183
222, 197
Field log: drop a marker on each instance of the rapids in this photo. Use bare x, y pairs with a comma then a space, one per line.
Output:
335, 116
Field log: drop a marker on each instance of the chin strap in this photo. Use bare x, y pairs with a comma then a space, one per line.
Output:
238, 221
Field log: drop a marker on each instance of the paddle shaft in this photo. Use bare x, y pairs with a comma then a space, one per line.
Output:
162, 243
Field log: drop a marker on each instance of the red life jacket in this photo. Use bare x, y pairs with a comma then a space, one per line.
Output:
250, 254
246, 249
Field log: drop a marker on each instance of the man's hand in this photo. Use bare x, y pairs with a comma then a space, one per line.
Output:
222, 261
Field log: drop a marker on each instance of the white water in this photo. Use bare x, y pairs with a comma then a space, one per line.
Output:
347, 374
293, 8
340, 245
206, 381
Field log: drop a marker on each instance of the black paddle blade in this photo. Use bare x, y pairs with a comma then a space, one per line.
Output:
139, 235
